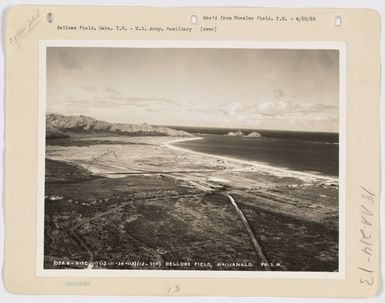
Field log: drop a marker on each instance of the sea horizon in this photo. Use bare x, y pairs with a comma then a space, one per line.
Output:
183, 127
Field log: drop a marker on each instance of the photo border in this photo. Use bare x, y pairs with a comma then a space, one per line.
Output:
156, 273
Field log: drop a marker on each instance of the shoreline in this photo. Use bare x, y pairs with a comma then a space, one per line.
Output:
265, 168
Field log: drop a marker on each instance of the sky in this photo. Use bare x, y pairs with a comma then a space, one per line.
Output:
280, 89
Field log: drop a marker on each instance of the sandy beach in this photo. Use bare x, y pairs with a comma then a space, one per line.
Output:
277, 171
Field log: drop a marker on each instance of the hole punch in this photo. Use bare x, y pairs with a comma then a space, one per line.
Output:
50, 17
194, 19
338, 21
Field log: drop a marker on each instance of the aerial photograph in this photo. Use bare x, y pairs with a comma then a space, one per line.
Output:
193, 159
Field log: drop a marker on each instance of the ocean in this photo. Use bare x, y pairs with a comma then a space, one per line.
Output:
310, 152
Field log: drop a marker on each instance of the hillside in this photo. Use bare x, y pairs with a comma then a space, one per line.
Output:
57, 125
53, 133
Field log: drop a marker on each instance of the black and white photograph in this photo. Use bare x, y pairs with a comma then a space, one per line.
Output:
191, 159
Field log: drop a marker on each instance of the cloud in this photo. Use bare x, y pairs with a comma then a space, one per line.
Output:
328, 59
114, 94
112, 90
276, 106
281, 106
68, 61
88, 88
279, 110
273, 108
231, 109
144, 101
318, 108
109, 97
